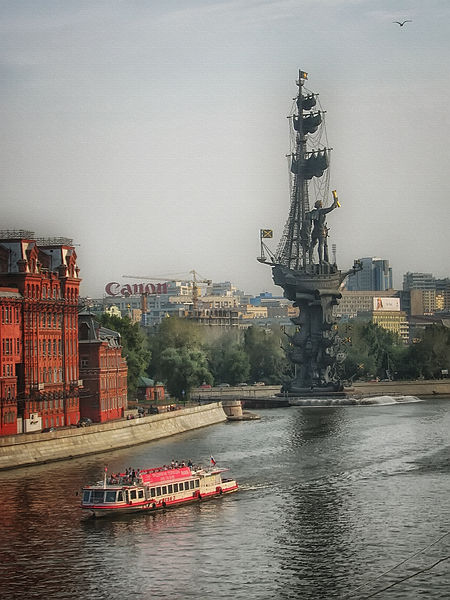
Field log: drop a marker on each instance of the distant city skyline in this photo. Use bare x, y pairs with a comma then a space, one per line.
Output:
154, 134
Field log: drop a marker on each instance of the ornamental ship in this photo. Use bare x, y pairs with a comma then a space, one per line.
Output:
155, 489
302, 264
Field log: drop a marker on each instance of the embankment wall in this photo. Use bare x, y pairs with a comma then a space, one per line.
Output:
419, 388
37, 448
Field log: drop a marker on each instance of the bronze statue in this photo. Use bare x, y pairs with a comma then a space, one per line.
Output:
319, 231
313, 285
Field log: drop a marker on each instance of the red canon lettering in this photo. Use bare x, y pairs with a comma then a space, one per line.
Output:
112, 288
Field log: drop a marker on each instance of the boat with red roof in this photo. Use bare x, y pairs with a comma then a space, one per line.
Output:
154, 489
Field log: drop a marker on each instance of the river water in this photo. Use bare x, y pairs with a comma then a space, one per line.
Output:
329, 500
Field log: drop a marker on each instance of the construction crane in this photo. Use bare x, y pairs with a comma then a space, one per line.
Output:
194, 282
196, 279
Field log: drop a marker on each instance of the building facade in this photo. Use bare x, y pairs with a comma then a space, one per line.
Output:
10, 357
427, 295
104, 371
376, 275
42, 282
353, 302
149, 390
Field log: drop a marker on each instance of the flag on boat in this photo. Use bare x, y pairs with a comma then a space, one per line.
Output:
213, 462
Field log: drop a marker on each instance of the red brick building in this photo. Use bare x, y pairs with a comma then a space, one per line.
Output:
40, 288
149, 390
10, 357
103, 371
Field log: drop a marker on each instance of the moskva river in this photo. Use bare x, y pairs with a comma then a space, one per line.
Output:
338, 502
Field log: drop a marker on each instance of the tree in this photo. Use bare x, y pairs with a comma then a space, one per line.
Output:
182, 369
267, 359
371, 350
432, 353
228, 360
178, 357
135, 347
172, 332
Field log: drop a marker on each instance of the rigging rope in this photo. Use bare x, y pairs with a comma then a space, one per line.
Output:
371, 581
406, 578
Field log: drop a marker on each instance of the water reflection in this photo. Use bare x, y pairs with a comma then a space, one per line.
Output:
329, 499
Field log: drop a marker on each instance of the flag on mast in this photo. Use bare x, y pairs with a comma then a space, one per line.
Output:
213, 462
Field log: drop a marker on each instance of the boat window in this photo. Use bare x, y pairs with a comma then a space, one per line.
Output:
170, 488
153, 492
164, 489
120, 497
140, 493
197, 483
86, 496
175, 487
191, 484
132, 494
186, 485
97, 496
110, 496
158, 491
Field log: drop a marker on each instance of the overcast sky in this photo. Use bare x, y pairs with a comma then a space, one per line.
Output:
154, 132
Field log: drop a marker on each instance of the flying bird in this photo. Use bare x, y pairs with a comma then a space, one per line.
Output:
401, 23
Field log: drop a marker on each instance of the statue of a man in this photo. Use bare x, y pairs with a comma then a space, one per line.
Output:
317, 217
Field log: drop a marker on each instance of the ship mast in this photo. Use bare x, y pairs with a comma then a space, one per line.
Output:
301, 264
293, 249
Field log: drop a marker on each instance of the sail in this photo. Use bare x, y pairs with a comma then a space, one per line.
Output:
310, 123
307, 163
314, 166
306, 102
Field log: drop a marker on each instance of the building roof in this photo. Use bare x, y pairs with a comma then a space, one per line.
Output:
146, 382
92, 331
9, 293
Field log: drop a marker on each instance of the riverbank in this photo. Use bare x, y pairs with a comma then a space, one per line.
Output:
420, 388
37, 448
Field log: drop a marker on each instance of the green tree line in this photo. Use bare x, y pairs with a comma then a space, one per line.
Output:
375, 352
183, 354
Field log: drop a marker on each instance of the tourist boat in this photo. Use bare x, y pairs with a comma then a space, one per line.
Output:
154, 489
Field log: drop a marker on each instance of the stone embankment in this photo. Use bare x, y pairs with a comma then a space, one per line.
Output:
420, 388
234, 412
37, 448
253, 396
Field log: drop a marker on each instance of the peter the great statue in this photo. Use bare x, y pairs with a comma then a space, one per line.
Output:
301, 264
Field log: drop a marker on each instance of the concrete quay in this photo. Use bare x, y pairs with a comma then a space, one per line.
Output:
37, 448
420, 388
266, 396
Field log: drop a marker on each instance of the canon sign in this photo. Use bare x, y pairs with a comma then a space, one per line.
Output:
117, 289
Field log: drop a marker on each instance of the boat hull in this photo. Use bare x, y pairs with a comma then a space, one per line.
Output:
101, 511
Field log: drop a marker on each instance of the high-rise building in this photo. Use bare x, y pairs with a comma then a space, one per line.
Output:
376, 275
443, 294
418, 281
422, 290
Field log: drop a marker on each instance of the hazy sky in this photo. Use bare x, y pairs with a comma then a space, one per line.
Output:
154, 132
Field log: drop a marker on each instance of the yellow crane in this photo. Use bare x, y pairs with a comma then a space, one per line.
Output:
196, 279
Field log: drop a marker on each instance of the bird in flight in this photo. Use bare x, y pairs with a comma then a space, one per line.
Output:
401, 23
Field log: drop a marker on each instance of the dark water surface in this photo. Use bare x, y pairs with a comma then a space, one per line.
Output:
330, 498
